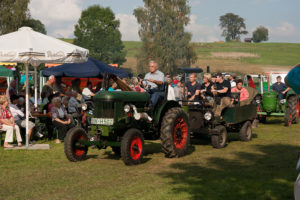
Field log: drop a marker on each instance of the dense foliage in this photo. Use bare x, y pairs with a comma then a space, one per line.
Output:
98, 30
162, 32
260, 34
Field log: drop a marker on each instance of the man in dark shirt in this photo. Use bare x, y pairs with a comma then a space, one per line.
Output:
280, 88
223, 91
193, 87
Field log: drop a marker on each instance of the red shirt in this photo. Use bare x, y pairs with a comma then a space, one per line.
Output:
4, 114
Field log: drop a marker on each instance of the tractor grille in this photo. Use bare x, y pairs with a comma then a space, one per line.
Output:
104, 109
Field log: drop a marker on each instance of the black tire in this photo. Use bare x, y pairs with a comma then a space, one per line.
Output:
174, 133
246, 132
288, 118
293, 104
219, 141
132, 147
116, 150
73, 149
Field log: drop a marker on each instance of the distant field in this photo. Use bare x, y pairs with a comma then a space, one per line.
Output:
237, 57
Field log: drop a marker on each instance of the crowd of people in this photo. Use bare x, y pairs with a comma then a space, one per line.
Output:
61, 103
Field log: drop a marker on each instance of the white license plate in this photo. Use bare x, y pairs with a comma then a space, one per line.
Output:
102, 121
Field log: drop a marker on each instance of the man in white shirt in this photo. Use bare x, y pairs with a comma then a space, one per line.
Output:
19, 115
87, 91
232, 80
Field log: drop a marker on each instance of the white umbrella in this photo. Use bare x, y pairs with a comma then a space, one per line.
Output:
30, 47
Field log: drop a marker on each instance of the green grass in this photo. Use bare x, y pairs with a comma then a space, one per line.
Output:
261, 169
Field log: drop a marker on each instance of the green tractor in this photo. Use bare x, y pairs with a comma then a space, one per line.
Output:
269, 103
123, 119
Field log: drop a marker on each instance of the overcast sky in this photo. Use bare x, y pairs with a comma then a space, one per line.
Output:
281, 17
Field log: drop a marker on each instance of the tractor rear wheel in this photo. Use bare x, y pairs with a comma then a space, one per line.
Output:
219, 140
293, 104
74, 149
174, 133
246, 132
132, 147
288, 118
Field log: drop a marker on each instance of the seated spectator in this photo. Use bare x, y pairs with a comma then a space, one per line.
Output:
171, 92
137, 84
280, 88
73, 104
21, 104
98, 87
87, 91
113, 86
60, 119
206, 85
19, 116
7, 123
244, 94
232, 80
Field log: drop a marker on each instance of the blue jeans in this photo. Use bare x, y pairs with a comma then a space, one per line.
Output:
156, 95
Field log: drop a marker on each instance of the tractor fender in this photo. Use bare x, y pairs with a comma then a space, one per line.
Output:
161, 110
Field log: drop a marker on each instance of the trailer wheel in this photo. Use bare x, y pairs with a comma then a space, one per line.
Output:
132, 147
246, 132
219, 140
288, 118
293, 104
74, 149
175, 136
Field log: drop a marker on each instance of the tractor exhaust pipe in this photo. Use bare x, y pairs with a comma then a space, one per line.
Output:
139, 116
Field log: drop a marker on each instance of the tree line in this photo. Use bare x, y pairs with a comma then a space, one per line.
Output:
161, 30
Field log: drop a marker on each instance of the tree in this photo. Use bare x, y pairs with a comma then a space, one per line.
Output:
13, 14
233, 26
97, 30
260, 34
36, 25
162, 32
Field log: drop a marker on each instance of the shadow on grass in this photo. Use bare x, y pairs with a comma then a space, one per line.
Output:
278, 120
268, 174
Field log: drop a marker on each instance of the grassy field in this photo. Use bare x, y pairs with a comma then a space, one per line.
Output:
261, 169
232, 57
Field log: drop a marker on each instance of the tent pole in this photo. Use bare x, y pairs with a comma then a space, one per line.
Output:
35, 87
27, 105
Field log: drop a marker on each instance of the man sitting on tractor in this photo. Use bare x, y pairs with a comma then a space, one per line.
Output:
193, 87
280, 88
155, 79
223, 91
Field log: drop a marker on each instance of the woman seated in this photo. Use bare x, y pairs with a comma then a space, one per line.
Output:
60, 119
244, 94
206, 87
7, 123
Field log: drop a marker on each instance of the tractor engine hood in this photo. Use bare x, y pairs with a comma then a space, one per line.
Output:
123, 96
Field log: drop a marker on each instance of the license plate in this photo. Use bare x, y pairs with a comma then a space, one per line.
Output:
102, 121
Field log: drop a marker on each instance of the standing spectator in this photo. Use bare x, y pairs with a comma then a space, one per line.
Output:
251, 82
12, 90
280, 88
171, 92
232, 80
7, 123
18, 116
87, 91
178, 91
60, 119
48, 87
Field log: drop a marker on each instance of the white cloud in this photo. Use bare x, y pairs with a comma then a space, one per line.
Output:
59, 16
201, 32
128, 27
285, 32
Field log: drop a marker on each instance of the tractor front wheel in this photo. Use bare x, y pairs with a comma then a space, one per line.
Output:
132, 147
246, 132
174, 134
219, 140
74, 149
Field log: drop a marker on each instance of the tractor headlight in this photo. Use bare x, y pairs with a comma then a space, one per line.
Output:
208, 116
258, 101
127, 108
84, 106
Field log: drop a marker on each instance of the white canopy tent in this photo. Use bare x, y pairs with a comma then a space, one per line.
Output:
33, 48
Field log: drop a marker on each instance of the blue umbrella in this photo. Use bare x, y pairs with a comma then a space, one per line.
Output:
89, 69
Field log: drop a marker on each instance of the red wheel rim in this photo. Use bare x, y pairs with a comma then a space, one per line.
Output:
78, 148
180, 133
297, 109
290, 119
136, 148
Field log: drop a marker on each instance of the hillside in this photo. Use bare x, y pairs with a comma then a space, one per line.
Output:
237, 57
